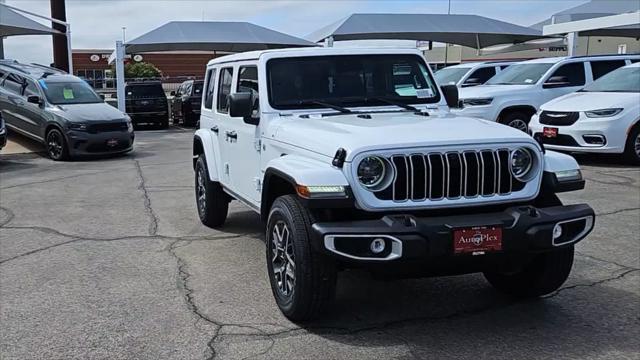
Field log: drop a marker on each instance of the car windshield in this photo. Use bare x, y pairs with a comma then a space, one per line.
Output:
144, 91
349, 80
520, 74
450, 76
66, 93
620, 80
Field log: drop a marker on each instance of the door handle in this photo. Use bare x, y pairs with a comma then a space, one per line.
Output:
215, 129
232, 135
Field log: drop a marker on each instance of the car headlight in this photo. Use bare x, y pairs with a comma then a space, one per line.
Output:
520, 163
372, 172
77, 126
477, 101
603, 112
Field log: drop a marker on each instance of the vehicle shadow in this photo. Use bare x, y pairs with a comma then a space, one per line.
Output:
466, 312
602, 160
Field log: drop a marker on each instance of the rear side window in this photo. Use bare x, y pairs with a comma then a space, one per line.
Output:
573, 72
482, 75
224, 89
208, 97
15, 83
600, 68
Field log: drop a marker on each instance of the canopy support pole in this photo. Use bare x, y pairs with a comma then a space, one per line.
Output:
572, 43
120, 75
477, 44
1, 47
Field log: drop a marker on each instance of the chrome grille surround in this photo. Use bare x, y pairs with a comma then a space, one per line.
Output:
448, 176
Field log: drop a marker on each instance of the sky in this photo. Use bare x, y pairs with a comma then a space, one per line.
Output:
97, 24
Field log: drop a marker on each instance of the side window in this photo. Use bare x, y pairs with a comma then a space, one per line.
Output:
180, 90
2, 75
224, 89
481, 76
502, 67
31, 89
633, 61
187, 89
573, 73
248, 82
600, 68
208, 96
14, 83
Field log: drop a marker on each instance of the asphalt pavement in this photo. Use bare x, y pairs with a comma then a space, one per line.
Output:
106, 259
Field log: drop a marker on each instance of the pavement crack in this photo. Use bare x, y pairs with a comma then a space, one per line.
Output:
153, 225
599, 282
617, 211
606, 261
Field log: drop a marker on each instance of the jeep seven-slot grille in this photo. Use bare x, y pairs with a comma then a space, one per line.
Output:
450, 175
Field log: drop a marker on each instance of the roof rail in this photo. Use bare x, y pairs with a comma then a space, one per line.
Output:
48, 68
14, 67
603, 55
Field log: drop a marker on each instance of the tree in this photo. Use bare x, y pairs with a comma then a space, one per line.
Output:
140, 70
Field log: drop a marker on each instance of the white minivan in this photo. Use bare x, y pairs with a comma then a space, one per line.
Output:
604, 117
515, 94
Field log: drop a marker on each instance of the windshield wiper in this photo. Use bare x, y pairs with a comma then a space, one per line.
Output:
339, 108
400, 104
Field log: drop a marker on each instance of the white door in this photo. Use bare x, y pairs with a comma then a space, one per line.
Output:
244, 141
575, 77
210, 121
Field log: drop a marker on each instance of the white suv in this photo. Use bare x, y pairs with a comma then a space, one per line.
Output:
604, 117
515, 94
353, 159
470, 74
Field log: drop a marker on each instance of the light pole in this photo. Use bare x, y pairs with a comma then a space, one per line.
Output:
446, 45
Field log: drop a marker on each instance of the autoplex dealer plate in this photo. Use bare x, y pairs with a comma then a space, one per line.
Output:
477, 240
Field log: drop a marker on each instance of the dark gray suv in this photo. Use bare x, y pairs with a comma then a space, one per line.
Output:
61, 111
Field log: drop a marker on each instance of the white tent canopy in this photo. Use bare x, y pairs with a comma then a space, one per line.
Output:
623, 25
13, 23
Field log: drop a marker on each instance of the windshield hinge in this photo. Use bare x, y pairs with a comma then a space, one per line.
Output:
258, 145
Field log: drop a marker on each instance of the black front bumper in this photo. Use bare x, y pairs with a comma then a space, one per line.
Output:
151, 117
526, 231
112, 142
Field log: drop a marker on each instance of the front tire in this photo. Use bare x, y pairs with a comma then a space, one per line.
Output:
303, 282
57, 148
517, 119
543, 275
211, 200
632, 147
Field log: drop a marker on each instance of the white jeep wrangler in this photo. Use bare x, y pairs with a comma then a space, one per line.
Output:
353, 159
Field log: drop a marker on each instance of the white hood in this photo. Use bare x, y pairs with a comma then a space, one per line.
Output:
587, 101
485, 91
399, 130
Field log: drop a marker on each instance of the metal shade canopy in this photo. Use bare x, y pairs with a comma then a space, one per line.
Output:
466, 30
13, 23
212, 36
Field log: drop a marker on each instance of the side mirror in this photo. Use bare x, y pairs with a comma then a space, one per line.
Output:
34, 99
241, 105
451, 95
472, 82
556, 81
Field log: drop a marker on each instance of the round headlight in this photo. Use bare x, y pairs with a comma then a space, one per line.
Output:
371, 171
520, 162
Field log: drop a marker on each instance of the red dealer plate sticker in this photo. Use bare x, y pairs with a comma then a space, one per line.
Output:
550, 132
477, 240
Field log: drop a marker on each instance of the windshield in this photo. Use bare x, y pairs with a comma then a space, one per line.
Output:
144, 91
349, 80
450, 76
520, 74
620, 80
64, 93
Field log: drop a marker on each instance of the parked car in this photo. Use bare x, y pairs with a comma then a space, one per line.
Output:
470, 74
514, 95
604, 117
186, 102
353, 159
3, 133
146, 103
61, 111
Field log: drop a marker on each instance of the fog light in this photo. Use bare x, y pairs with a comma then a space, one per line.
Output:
377, 246
557, 231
